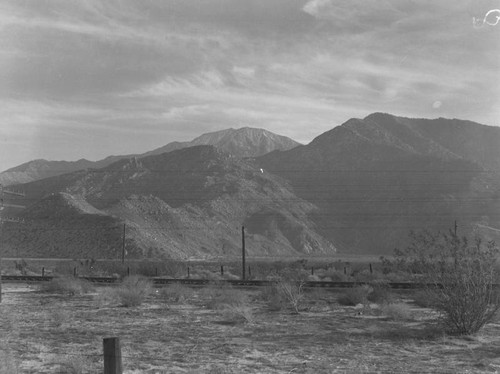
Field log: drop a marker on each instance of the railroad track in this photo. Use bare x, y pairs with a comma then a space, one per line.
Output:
200, 282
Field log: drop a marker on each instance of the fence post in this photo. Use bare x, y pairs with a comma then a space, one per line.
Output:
312, 270
112, 356
43, 272
371, 269
222, 270
188, 272
128, 271
74, 272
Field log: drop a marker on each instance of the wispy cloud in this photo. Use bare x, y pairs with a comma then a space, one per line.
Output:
171, 70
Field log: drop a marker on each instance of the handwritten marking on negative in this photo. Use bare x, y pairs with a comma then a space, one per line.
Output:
492, 20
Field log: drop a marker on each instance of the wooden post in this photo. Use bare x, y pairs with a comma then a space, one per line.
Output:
74, 272
345, 271
1, 237
188, 272
249, 272
112, 356
43, 272
128, 271
243, 275
371, 269
156, 272
222, 270
312, 270
0, 274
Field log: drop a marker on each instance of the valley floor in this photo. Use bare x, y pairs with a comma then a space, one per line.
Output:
50, 333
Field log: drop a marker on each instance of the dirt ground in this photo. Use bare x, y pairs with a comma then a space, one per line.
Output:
50, 333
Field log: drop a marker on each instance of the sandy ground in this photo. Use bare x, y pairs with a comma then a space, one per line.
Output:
49, 333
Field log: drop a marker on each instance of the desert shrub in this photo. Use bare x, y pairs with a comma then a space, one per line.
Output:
228, 301
239, 312
176, 292
313, 278
106, 296
381, 292
67, 286
355, 295
424, 299
133, 290
458, 277
292, 293
397, 311
272, 297
74, 363
206, 274
335, 276
220, 294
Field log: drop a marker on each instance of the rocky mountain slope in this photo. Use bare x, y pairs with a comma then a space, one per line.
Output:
243, 142
185, 203
377, 178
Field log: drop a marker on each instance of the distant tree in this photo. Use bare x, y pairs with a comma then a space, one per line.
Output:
459, 277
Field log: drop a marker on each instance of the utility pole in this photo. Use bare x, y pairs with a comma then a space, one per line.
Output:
243, 274
123, 245
2, 206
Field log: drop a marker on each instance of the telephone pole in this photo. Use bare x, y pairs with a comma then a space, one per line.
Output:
123, 244
243, 273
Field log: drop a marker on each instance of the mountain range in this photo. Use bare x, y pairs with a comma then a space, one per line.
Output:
377, 178
243, 142
357, 188
186, 203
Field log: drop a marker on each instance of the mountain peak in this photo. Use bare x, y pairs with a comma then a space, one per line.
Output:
241, 142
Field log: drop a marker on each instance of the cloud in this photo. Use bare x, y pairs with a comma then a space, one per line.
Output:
141, 74
354, 15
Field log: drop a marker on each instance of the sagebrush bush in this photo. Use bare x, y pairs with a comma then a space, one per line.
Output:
220, 294
67, 286
272, 297
228, 301
176, 292
354, 296
423, 299
333, 275
133, 291
106, 296
381, 292
397, 311
292, 292
239, 312
459, 277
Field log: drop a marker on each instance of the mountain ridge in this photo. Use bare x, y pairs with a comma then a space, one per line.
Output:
188, 203
359, 187
243, 142
377, 178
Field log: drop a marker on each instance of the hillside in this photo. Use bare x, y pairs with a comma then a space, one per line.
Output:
244, 142
186, 203
377, 178
39, 169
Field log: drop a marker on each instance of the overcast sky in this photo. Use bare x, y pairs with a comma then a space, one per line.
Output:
87, 79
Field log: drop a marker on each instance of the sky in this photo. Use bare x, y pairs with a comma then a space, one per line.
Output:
89, 79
